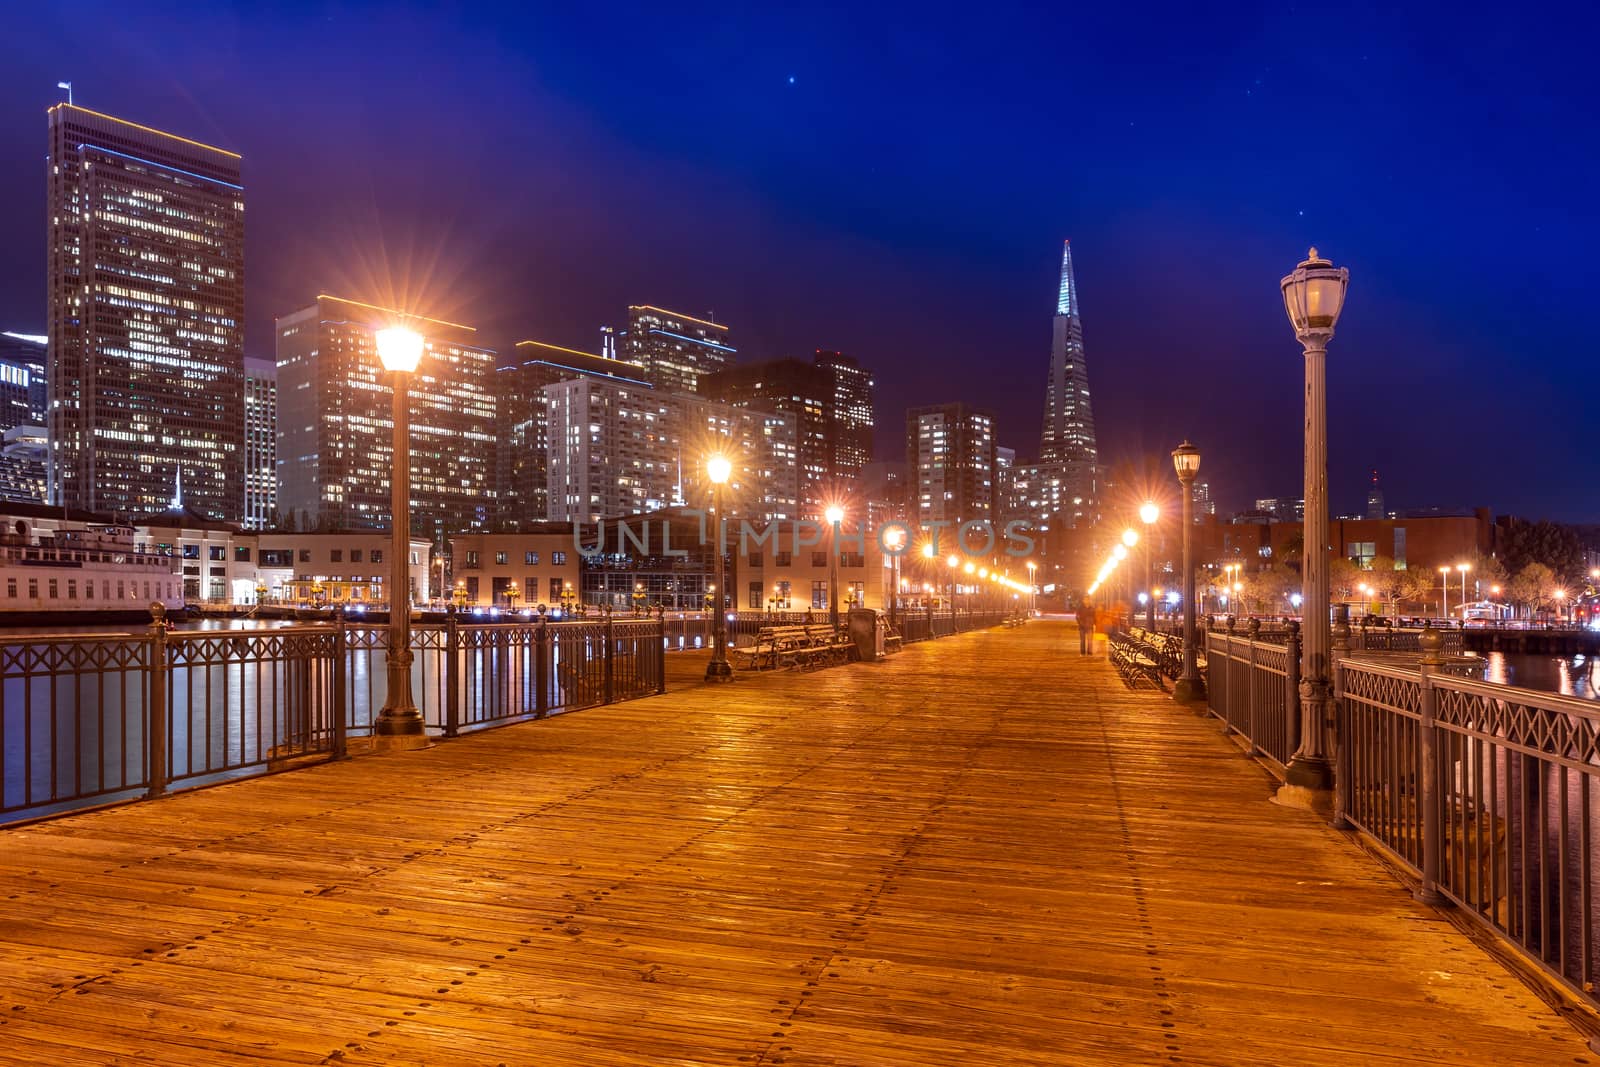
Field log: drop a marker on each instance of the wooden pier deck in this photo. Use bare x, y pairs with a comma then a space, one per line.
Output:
985, 851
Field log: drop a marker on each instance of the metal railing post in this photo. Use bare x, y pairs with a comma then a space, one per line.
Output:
452, 676
541, 668
1432, 643
341, 644
1333, 725
610, 659
1291, 676
156, 732
660, 655
1253, 631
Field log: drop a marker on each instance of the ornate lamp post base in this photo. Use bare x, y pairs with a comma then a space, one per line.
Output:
1189, 691
719, 670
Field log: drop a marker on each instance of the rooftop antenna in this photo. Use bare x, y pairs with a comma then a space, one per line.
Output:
68, 87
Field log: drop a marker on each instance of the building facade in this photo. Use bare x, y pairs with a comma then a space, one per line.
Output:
950, 457
618, 449
260, 444
24, 387
850, 415
335, 431
516, 570
523, 496
676, 350
146, 321
801, 392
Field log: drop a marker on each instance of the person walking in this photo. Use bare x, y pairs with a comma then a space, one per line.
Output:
1085, 627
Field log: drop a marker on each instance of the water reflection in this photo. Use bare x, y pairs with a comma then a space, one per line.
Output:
1573, 676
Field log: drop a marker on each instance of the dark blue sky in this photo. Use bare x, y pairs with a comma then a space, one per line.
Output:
534, 168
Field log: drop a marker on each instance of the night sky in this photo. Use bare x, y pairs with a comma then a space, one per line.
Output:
896, 183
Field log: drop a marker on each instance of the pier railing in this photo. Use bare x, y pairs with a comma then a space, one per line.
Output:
1488, 794
99, 717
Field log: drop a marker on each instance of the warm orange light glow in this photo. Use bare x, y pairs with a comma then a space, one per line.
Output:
675, 314
146, 129
927, 550
396, 312
834, 514
953, 561
1130, 537
719, 468
1148, 512
400, 349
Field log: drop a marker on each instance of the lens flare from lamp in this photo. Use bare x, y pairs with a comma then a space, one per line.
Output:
399, 349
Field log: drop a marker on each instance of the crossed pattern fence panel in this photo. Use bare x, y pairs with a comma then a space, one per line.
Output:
241, 699
1517, 814
73, 719
1380, 712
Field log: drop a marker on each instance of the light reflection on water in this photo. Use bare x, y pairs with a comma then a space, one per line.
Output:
1573, 676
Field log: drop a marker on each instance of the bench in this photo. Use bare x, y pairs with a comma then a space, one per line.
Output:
893, 641
795, 646
1135, 662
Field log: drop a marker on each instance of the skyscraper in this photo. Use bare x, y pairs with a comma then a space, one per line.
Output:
146, 331
850, 414
804, 393
335, 430
24, 390
260, 444
619, 449
1067, 451
950, 459
522, 455
675, 350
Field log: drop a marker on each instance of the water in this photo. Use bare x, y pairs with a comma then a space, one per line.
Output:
1573, 676
74, 721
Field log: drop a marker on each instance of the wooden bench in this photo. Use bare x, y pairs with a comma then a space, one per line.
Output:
795, 646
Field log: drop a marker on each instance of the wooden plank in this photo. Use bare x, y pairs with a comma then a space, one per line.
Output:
986, 850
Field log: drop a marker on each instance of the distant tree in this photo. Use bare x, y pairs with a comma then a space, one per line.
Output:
1533, 586
1343, 578
1266, 591
1552, 544
1385, 581
1414, 585
1294, 548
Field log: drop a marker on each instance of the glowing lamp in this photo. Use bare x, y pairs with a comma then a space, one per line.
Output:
719, 468
834, 514
1130, 537
1148, 512
1186, 461
400, 349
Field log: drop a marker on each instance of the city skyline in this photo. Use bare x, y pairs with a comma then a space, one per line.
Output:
1193, 363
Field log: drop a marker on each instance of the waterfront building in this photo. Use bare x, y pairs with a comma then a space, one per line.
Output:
24, 385
260, 444
950, 454
677, 351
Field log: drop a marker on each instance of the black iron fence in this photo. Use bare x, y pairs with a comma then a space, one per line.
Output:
1253, 687
98, 717
1489, 794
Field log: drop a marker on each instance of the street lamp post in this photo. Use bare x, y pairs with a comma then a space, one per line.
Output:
1313, 296
1444, 592
399, 724
1148, 514
1463, 568
893, 539
718, 468
1188, 688
835, 515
